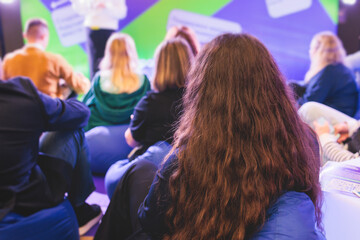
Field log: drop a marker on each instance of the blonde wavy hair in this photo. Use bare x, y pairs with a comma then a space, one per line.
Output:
325, 48
121, 57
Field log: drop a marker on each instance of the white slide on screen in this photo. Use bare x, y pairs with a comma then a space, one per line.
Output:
69, 26
206, 28
280, 8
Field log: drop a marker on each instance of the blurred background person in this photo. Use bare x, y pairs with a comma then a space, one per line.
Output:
328, 80
101, 20
46, 70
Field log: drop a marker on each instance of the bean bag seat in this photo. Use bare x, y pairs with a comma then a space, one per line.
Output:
107, 145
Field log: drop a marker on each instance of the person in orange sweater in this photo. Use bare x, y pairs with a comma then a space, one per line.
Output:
45, 69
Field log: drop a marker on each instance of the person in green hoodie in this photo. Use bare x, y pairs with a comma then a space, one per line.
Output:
117, 87
115, 91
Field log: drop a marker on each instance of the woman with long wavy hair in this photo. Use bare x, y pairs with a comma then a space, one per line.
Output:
244, 165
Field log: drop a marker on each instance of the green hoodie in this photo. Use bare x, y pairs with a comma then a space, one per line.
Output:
111, 109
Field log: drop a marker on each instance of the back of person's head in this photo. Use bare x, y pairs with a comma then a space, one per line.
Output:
187, 34
172, 62
36, 29
241, 144
121, 57
326, 48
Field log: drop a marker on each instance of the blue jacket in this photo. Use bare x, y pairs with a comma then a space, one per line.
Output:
291, 217
335, 87
25, 114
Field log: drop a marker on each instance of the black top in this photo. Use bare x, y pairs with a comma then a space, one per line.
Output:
155, 115
25, 114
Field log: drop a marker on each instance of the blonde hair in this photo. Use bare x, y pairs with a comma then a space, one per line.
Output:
121, 57
36, 28
172, 61
325, 48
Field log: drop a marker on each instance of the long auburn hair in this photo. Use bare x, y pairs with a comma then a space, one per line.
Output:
242, 144
325, 48
121, 58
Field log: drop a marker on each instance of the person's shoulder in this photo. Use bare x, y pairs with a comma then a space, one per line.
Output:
342, 72
168, 96
56, 58
291, 200
11, 55
170, 165
168, 93
20, 84
149, 96
147, 99
337, 68
292, 216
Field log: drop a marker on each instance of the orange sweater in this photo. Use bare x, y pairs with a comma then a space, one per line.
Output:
44, 69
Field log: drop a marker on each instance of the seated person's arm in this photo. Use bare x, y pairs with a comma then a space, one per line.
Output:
138, 124
63, 115
76, 81
130, 140
332, 150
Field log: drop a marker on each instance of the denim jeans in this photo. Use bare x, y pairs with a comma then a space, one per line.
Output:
154, 154
71, 147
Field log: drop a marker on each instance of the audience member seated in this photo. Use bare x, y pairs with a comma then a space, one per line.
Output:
31, 181
45, 69
155, 114
244, 165
117, 87
328, 81
339, 134
115, 91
